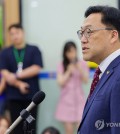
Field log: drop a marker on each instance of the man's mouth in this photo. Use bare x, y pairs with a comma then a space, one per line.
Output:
84, 48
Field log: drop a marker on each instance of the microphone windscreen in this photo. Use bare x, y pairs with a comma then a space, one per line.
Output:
38, 97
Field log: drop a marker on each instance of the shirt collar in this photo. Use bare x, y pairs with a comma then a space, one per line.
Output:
105, 63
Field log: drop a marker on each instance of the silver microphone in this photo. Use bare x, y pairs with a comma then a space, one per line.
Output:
37, 99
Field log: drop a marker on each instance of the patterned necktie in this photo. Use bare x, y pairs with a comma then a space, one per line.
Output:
95, 81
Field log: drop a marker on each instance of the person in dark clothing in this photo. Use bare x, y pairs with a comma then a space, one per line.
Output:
20, 65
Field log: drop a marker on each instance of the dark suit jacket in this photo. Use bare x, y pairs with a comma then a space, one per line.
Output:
102, 111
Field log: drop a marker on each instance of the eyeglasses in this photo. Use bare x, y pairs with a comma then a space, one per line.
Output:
87, 32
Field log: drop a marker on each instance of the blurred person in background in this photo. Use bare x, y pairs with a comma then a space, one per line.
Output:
20, 65
2, 95
50, 130
71, 73
4, 124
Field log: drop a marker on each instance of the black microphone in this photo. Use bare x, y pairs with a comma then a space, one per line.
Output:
37, 99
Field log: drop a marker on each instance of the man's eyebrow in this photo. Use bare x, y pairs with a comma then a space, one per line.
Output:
84, 27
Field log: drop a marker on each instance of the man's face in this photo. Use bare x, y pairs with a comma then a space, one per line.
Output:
96, 47
16, 36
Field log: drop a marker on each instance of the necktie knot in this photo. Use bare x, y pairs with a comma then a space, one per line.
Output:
98, 71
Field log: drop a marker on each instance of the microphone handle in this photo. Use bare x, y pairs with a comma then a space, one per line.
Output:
15, 123
19, 119
31, 106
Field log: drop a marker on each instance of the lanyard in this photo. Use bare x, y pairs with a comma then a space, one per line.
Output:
19, 57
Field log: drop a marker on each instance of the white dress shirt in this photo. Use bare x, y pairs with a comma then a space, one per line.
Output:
105, 63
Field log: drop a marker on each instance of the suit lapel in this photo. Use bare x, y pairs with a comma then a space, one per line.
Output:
98, 87
104, 78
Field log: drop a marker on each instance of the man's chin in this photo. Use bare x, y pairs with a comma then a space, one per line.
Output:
86, 58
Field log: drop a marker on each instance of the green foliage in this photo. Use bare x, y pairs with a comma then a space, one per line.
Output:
1, 27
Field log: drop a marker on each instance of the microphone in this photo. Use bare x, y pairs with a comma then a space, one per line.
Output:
37, 99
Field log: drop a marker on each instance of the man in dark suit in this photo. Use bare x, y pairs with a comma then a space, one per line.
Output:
100, 40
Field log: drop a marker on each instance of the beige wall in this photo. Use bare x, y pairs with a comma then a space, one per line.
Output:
11, 15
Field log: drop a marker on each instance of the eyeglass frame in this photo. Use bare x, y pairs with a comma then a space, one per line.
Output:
91, 31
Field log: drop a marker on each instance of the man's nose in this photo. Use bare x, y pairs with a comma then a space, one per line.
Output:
84, 39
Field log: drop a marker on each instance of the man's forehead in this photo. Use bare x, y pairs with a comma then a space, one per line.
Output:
18, 29
92, 20
13, 30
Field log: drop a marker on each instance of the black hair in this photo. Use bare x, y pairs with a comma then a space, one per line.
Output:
67, 47
110, 16
16, 25
51, 130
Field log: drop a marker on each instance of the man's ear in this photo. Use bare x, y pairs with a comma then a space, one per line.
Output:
114, 36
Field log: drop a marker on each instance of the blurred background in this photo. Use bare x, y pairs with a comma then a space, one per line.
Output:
48, 24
